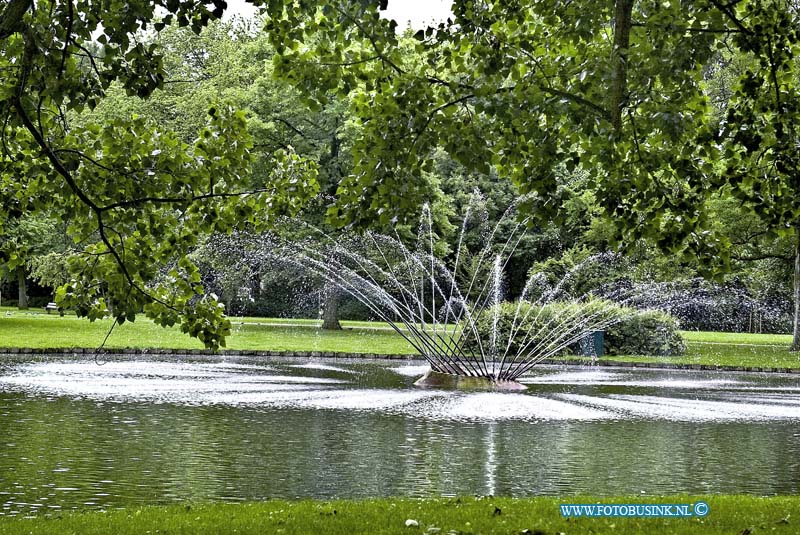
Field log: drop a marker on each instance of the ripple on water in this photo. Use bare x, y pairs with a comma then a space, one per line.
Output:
323, 367
194, 383
493, 406
305, 386
603, 378
685, 409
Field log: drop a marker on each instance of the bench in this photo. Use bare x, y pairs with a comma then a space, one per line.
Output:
52, 306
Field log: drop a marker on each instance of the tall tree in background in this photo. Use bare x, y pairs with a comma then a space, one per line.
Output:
23, 242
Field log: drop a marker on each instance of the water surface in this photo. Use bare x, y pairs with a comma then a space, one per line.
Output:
79, 434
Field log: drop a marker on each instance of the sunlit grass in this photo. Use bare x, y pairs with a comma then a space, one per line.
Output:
38, 330
783, 340
35, 329
727, 515
729, 349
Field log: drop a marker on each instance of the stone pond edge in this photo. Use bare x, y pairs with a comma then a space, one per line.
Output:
332, 354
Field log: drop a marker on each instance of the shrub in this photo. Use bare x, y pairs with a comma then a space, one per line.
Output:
555, 327
627, 331
648, 332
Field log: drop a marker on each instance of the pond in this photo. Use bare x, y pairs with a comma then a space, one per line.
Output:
75, 433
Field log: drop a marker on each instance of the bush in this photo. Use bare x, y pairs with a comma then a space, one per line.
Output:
648, 332
555, 327
627, 331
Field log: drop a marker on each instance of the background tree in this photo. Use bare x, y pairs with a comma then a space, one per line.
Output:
25, 240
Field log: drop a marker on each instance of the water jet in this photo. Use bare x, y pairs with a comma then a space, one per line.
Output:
451, 309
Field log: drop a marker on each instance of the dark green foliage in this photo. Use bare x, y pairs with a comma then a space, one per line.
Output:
648, 332
351, 308
578, 272
524, 91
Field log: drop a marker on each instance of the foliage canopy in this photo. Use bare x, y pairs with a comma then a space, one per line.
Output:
135, 195
538, 88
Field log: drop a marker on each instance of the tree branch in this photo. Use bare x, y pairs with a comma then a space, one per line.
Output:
180, 200
346, 63
602, 112
67, 38
292, 127
726, 10
95, 162
773, 72
61, 170
91, 59
436, 110
748, 238
378, 51
686, 28
50, 154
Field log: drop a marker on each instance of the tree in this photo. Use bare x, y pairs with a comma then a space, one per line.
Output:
24, 240
522, 88
760, 129
232, 62
137, 194
616, 89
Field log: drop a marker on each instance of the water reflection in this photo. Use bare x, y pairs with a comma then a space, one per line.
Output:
74, 434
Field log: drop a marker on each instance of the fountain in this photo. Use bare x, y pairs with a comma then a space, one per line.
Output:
451, 318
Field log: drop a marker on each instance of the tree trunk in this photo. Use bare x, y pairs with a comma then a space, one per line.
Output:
11, 16
22, 300
330, 310
796, 330
623, 12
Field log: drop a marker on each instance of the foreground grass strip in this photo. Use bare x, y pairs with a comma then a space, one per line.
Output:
728, 515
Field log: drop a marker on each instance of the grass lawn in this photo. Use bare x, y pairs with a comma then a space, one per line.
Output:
727, 515
39, 330
725, 355
729, 349
782, 340
36, 329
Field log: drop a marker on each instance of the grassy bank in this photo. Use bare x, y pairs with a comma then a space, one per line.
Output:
727, 515
38, 330
729, 349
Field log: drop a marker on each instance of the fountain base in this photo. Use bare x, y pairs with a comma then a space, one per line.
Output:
434, 379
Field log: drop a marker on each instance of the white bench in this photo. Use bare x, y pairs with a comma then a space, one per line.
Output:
51, 306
